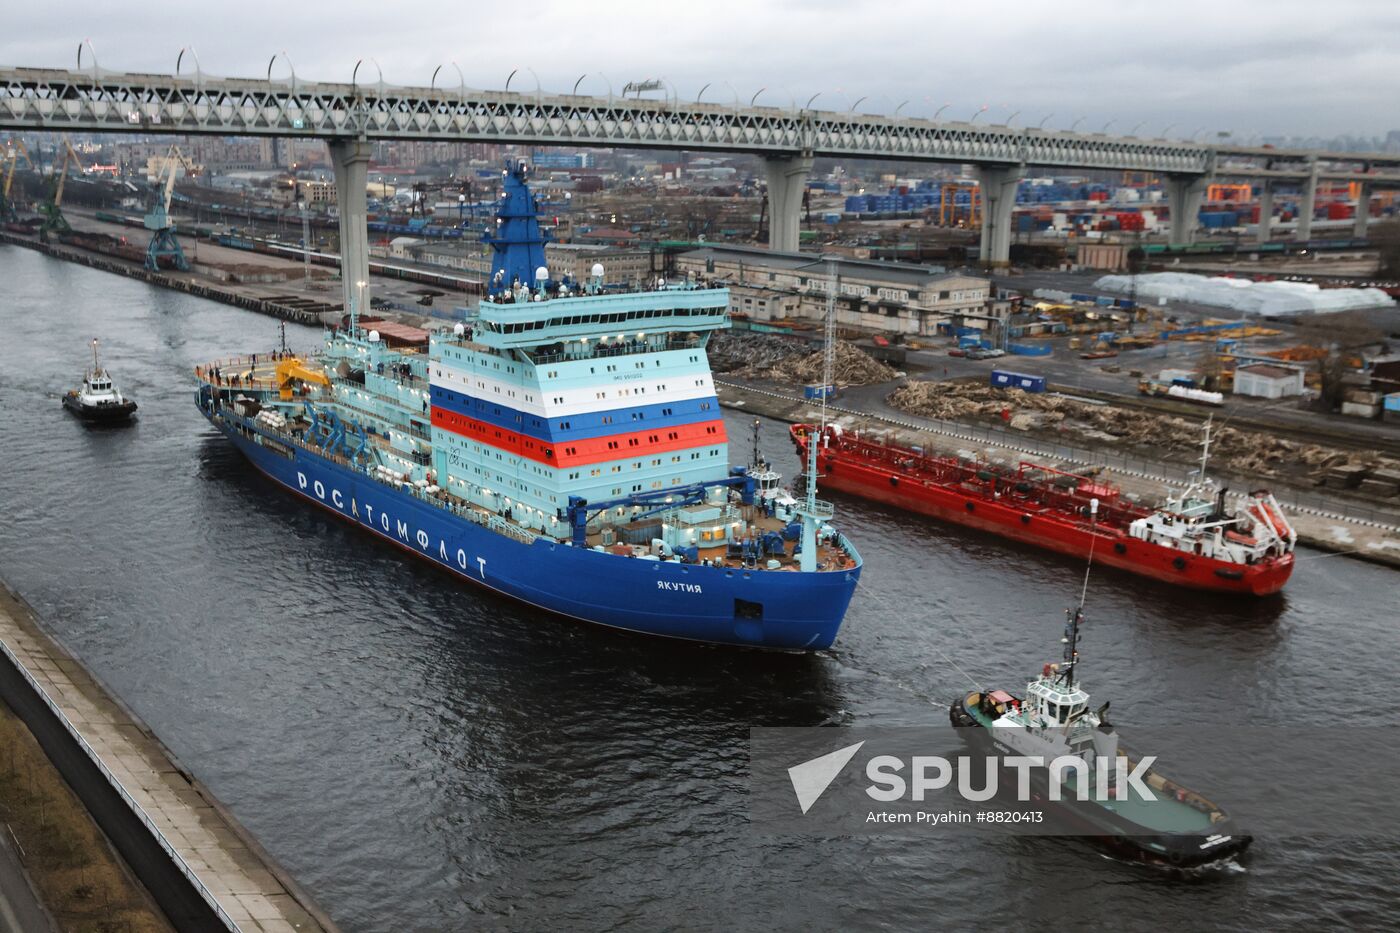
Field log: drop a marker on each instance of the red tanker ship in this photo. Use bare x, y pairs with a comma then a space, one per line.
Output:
1202, 538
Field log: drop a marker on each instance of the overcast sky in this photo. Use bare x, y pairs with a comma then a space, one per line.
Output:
1253, 67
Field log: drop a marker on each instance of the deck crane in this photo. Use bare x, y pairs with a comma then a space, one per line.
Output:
52, 208
14, 149
163, 242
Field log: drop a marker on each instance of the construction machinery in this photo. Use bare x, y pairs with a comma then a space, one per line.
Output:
52, 208
13, 150
951, 213
163, 243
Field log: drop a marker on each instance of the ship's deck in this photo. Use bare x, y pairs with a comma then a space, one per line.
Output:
828, 557
1166, 814
238, 375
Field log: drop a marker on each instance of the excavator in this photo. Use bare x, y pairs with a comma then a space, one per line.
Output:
52, 208
13, 150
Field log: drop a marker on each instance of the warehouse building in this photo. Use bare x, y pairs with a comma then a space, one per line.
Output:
887, 297
1266, 380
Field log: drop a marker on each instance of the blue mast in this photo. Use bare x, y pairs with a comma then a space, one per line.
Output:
518, 240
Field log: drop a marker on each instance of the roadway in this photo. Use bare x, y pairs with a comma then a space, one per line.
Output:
20, 910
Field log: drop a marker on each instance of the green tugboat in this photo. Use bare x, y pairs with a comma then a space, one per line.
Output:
1178, 828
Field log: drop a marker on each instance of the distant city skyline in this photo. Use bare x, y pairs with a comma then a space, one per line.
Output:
1256, 70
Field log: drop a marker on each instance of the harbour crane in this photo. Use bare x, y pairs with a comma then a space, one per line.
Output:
163, 242
52, 208
14, 149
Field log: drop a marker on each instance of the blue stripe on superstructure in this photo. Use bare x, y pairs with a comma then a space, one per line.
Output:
582, 426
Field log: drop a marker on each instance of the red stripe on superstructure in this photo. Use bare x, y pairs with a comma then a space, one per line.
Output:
582, 452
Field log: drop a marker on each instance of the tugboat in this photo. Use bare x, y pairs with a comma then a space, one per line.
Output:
1178, 829
99, 399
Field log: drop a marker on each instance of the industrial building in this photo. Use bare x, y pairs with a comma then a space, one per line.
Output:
575, 260
1266, 380
886, 297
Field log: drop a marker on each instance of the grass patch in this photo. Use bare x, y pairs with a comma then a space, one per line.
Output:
78, 876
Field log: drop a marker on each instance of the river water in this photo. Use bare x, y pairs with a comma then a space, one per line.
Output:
422, 756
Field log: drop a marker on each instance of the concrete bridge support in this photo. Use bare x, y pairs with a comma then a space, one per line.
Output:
998, 184
787, 180
1307, 204
1184, 194
1363, 212
1266, 212
350, 159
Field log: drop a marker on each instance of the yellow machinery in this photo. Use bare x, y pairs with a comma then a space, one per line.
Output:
291, 370
949, 213
1235, 193
13, 150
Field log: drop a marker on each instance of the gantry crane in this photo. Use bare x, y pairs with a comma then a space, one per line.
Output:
52, 208
163, 242
14, 149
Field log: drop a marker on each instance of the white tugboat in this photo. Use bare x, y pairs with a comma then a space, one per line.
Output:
1179, 828
99, 399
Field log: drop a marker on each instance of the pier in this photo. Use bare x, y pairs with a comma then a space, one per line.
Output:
201, 866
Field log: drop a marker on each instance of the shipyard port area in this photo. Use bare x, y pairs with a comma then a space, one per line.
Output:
448, 487
248, 673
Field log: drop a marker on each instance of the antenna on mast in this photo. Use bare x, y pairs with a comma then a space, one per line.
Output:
829, 336
1205, 447
1075, 616
812, 510
828, 363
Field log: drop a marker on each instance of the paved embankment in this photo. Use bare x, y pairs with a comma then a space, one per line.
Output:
1318, 526
182, 283
201, 866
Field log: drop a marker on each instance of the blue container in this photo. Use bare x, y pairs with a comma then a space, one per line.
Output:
819, 392
1004, 379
